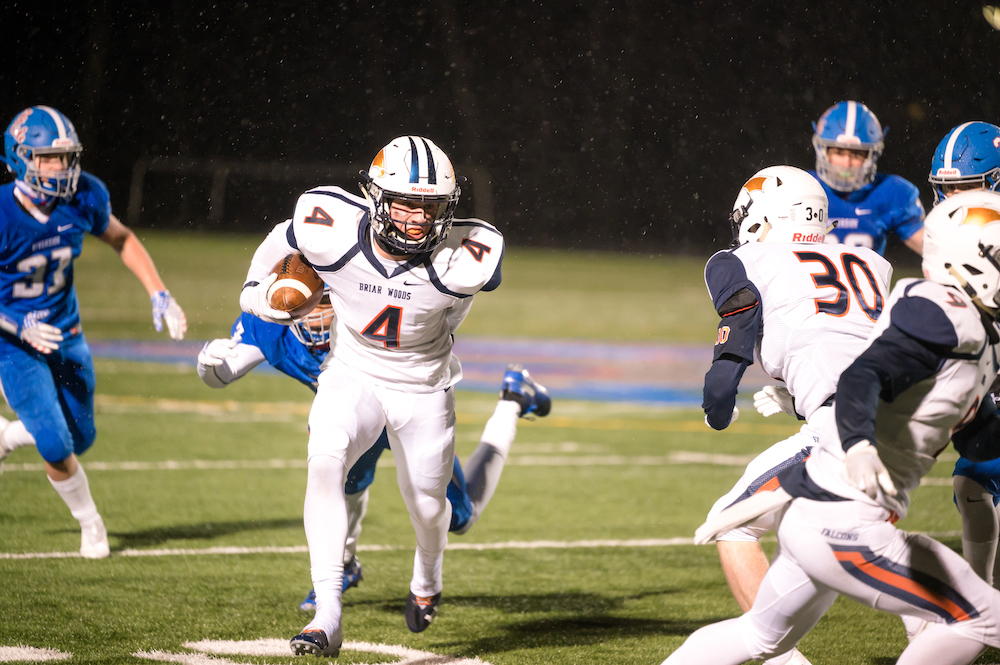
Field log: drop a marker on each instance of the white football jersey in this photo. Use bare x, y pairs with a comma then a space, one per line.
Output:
394, 320
819, 302
912, 430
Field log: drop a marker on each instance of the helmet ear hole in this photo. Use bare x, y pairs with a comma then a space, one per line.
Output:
972, 270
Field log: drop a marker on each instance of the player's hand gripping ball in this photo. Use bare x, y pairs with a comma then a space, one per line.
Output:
298, 289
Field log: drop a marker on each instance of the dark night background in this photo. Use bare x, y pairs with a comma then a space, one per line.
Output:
626, 125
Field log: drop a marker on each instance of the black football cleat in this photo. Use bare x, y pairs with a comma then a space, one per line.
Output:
420, 611
314, 641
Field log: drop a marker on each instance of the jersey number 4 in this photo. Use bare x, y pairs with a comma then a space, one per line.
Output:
384, 328
839, 304
36, 264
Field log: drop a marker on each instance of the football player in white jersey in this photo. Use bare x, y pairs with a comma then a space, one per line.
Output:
968, 158
923, 379
806, 309
402, 274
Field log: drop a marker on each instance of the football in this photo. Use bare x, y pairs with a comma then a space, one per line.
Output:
298, 288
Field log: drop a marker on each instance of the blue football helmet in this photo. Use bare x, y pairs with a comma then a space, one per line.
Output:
853, 126
313, 329
413, 171
968, 157
36, 132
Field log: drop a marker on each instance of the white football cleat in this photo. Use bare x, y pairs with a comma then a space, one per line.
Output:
793, 657
94, 540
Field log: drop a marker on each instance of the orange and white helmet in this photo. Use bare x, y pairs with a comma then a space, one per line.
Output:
962, 246
414, 171
780, 204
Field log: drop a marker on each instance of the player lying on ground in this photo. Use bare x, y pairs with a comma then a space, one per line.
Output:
46, 372
923, 379
300, 349
804, 310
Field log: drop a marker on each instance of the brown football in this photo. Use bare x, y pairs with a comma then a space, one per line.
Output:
298, 288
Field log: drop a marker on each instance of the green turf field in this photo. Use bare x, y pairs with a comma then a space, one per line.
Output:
581, 558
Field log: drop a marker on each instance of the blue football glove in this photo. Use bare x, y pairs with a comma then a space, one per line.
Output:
165, 308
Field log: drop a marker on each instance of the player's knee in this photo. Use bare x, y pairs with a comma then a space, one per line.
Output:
332, 443
54, 447
429, 511
763, 644
84, 438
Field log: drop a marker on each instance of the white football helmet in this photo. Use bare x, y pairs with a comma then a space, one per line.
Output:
415, 172
962, 246
780, 204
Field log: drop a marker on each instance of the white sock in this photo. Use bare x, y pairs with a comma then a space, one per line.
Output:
357, 506
16, 436
325, 518
981, 556
501, 428
75, 491
485, 465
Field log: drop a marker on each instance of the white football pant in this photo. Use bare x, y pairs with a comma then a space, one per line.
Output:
829, 548
346, 418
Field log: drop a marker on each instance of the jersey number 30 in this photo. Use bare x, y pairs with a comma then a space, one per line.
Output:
840, 303
36, 264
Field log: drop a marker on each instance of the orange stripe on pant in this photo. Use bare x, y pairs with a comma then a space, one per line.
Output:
902, 583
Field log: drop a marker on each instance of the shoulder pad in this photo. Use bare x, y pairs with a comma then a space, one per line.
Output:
325, 224
469, 259
938, 314
91, 192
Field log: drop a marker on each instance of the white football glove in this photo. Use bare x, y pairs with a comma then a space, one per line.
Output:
165, 308
772, 400
253, 300
736, 414
866, 471
42, 337
214, 353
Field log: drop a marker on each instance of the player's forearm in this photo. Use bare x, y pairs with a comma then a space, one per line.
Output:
721, 385
274, 248
135, 257
232, 368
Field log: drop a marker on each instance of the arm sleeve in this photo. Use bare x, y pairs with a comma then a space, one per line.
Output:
979, 440
737, 301
719, 395
894, 362
10, 321
274, 248
219, 376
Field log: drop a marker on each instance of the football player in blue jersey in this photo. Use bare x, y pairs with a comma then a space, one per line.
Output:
299, 350
968, 157
865, 205
46, 372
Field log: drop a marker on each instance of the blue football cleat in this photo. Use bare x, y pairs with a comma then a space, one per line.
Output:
521, 388
314, 641
352, 575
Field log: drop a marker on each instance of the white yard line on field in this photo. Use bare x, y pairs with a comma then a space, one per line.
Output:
476, 547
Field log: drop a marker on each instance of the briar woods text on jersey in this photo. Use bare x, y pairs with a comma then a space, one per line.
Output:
377, 289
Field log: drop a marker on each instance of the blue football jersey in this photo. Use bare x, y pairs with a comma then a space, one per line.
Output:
865, 217
282, 350
36, 259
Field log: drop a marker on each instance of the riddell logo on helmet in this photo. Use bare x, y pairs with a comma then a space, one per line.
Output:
421, 190
948, 172
808, 237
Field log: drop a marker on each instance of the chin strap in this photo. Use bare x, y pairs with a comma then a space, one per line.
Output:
988, 314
